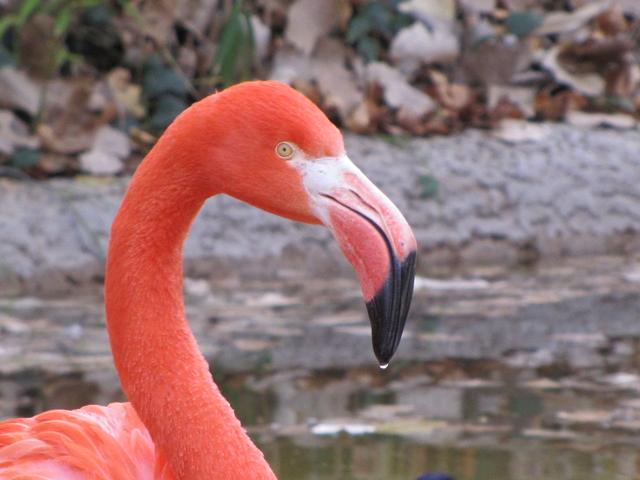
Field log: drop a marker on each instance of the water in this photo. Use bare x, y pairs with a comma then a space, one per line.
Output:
525, 375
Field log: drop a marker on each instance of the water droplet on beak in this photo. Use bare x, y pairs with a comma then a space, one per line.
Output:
383, 366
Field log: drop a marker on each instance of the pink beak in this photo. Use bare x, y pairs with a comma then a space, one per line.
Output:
379, 244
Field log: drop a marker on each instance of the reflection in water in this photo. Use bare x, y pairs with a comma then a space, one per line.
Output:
532, 377
473, 431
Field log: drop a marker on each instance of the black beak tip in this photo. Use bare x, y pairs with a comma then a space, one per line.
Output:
388, 309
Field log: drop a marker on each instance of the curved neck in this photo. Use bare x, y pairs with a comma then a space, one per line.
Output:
161, 369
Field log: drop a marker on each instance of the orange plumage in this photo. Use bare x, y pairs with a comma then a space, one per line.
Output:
94, 442
178, 426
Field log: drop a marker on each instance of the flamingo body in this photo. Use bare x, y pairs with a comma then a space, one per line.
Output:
93, 442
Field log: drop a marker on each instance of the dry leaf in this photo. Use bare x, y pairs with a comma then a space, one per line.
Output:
415, 45
14, 133
588, 83
197, 15
619, 121
453, 96
109, 150
53, 164
261, 38
336, 83
428, 10
522, 97
612, 22
68, 144
495, 61
127, 95
520, 131
562, 22
97, 162
326, 68
397, 91
554, 106
113, 141
308, 20
360, 119
158, 20
17, 91
480, 6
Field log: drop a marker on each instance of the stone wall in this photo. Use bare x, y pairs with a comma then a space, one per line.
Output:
575, 193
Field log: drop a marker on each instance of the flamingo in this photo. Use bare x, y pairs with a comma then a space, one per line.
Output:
263, 143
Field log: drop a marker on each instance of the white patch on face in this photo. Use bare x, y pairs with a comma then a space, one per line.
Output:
322, 176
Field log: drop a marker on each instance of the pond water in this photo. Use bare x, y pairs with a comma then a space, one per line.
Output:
501, 376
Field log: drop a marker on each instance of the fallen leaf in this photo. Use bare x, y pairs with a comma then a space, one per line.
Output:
631, 7
360, 119
495, 61
552, 105
308, 89
603, 51
326, 69
110, 147
520, 131
562, 22
197, 15
336, 83
69, 143
127, 95
522, 97
157, 20
479, 6
415, 45
308, 20
618, 121
427, 10
54, 164
261, 38
18, 91
97, 162
113, 141
289, 65
14, 133
397, 91
588, 83
612, 22
623, 81
454, 96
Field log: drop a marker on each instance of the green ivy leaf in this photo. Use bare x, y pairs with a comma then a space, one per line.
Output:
523, 23
369, 48
166, 108
358, 27
24, 157
429, 187
160, 80
5, 58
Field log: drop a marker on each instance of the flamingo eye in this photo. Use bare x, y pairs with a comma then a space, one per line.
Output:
285, 150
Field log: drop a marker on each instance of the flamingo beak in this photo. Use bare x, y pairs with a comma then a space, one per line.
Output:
374, 237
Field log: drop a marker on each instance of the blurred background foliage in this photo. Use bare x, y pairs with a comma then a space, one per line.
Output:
87, 85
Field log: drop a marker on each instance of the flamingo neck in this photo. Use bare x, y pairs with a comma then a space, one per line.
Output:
161, 369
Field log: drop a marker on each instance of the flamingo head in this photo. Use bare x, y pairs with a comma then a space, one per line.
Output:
282, 154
